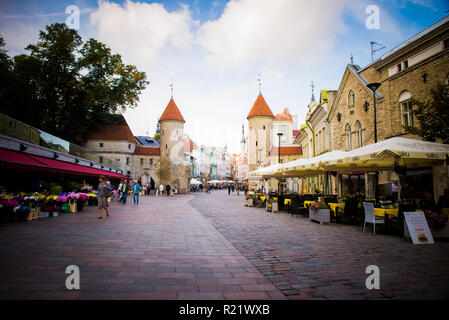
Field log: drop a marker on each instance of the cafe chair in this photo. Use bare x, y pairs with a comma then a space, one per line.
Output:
370, 217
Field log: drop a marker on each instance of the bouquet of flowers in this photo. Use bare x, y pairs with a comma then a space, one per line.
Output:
318, 205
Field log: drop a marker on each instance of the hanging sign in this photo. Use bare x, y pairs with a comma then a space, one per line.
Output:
418, 228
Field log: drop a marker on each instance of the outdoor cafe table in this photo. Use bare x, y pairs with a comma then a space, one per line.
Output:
380, 212
334, 206
308, 202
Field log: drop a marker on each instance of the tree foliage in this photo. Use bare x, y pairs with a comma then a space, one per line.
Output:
432, 115
65, 86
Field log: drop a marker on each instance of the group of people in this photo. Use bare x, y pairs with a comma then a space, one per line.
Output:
168, 189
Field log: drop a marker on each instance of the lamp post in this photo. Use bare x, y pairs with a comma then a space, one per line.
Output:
374, 86
280, 134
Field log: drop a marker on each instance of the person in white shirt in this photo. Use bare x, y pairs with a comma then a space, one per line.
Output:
161, 189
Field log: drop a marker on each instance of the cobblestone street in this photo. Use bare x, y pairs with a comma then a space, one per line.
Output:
210, 246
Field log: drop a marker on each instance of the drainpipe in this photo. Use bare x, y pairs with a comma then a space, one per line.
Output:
328, 134
313, 136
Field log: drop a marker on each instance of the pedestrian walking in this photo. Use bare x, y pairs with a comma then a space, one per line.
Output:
120, 188
161, 189
125, 191
172, 190
167, 188
136, 190
103, 194
229, 190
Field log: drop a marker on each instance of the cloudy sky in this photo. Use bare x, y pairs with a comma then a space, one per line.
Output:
214, 50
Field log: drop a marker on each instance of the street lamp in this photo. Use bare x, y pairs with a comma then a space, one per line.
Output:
374, 86
280, 134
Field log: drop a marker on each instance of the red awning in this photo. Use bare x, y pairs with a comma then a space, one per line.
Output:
20, 159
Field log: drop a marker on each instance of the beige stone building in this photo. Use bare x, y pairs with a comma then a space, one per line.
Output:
142, 158
409, 71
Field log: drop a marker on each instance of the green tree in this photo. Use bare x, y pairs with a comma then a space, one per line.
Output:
67, 87
432, 115
157, 136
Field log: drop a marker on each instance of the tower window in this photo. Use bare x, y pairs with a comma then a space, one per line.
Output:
166, 147
100, 159
141, 160
101, 145
129, 146
264, 127
151, 162
256, 143
127, 161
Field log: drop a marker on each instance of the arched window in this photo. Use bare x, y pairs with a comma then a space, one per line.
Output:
358, 133
348, 134
351, 99
405, 102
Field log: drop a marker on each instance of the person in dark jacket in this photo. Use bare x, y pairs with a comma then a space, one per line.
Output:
167, 188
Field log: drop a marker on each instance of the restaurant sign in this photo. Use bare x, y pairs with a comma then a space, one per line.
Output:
418, 228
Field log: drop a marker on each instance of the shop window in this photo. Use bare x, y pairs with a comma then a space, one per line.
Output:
351, 99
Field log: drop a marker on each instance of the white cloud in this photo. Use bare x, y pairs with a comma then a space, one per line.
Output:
142, 30
278, 32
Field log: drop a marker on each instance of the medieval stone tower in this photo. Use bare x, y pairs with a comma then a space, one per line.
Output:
260, 124
174, 170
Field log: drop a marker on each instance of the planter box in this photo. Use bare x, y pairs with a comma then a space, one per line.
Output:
249, 203
320, 215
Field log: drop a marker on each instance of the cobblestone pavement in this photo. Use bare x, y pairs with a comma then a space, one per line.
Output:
306, 260
210, 246
160, 249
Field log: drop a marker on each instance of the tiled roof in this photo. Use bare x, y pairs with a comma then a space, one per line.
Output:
172, 112
260, 108
284, 115
117, 130
147, 141
286, 151
148, 151
188, 145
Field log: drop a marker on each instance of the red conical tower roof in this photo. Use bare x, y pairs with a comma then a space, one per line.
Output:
172, 112
260, 108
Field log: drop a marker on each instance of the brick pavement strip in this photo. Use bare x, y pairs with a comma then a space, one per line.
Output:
161, 249
211, 247
306, 260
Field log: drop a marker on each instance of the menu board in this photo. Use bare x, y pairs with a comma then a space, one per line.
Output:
418, 228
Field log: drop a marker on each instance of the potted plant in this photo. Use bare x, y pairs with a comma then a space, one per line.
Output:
319, 211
